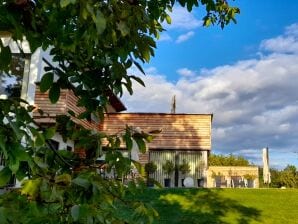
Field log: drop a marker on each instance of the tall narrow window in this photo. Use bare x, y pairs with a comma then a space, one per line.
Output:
14, 83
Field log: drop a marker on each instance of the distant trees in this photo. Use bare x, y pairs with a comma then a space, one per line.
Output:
288, 177
227, 160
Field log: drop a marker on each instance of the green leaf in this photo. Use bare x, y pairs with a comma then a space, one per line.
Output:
124, 29
138, 165
50, 132
139, 80
54, 93
39, 162
14, 165
39, 140
3, 215
146, 55
31, 187
20, 175
128, 141
21, 154
46, 82
100, 22
64, 3
5, 175
75, 212
63, 179
141, 144
2, 142
139, 67
207, 22
168, 19
16, 129
80, 181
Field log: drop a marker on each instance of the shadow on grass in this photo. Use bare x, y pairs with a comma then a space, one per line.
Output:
193, 206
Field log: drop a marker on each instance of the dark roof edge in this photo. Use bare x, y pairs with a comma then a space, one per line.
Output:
116, 103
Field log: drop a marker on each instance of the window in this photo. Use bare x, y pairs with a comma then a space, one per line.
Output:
11, 82
54, 144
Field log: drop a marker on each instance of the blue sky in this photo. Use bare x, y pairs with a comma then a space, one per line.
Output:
210, 47
246, 75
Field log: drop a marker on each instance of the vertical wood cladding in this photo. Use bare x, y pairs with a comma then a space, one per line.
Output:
179, 131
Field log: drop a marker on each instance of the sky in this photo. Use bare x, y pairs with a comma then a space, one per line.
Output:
246, 75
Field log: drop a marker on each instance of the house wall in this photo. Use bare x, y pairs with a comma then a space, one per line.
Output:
195, 159
227, 172
66, 102
182, 132
183, 136
63, 145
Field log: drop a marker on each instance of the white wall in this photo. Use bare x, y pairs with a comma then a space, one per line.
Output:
63, 145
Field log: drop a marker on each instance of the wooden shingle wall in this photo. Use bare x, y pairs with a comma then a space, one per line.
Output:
67, 101
179, 131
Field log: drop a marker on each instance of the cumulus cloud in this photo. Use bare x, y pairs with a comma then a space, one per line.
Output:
286, 43
184, 37
254, 102
165, 37
185, 72
182, 19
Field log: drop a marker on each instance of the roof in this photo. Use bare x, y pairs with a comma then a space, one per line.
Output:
179, 131
116, 102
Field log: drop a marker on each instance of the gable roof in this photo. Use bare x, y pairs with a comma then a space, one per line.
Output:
179, 131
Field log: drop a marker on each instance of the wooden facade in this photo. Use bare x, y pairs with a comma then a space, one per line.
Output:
182, 132
68, 101
183, 137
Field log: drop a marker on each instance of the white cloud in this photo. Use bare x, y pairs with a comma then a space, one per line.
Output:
292, 30
182, 19
254, 102
185, 72
165, 37
286, 43
184, 37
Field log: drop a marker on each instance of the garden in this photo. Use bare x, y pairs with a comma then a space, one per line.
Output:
254, 206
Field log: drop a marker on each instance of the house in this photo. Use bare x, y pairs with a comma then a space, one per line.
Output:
27, 69
183, 137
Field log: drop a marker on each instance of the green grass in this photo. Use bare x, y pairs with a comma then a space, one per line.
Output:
243, 206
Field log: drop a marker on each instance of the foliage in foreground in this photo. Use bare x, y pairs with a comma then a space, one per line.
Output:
92, 44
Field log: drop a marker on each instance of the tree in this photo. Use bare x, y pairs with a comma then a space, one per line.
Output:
92, 44
230, 160
289, 177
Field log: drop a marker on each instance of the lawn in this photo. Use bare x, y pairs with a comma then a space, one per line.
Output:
213, 206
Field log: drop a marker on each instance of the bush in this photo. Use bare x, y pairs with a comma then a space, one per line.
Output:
150, 167
168, 167
184, 167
